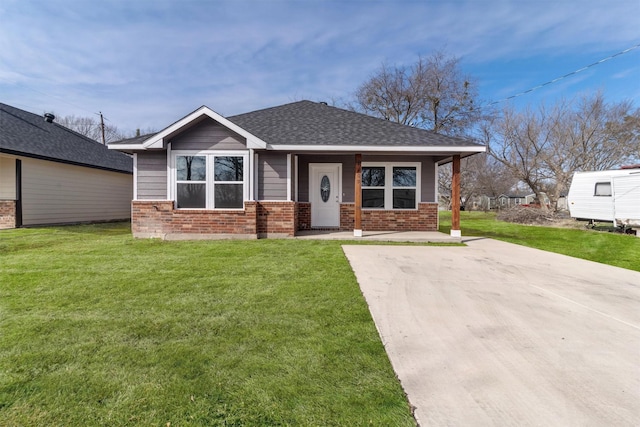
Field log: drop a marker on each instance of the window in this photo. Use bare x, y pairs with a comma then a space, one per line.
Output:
602, 189
404, 187
210, 181
373, 187
191, 181
390, 186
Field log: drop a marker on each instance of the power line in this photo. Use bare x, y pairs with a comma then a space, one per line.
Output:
51, 96
557, 79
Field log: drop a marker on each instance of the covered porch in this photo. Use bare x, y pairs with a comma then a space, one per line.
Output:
392, 192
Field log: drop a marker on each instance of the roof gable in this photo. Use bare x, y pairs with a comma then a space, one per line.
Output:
160, 139
26, 134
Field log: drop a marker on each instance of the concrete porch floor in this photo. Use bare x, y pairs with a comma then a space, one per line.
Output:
380, 236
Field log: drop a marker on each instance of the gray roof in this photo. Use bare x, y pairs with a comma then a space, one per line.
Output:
314, 123
135, 140
27, 134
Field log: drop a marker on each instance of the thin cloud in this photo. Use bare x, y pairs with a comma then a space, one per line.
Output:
147, 62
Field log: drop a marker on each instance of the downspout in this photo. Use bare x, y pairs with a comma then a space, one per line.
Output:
18, 193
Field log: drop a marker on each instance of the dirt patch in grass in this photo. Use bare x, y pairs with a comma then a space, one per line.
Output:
536, 216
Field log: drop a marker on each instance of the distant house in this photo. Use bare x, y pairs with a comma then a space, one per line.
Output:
286, 169
505, 201
52, 175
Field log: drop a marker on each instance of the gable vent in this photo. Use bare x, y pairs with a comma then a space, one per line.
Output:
49, 118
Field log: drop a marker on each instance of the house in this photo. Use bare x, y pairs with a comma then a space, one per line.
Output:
282, 170
52, 175
506, 201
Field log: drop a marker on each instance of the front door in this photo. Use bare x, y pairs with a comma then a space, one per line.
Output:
325, 194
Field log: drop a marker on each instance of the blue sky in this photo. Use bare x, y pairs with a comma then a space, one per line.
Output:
147, 63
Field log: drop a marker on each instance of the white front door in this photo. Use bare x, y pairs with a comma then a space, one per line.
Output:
325, 194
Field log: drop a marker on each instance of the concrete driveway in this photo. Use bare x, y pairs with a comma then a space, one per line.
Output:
499, 334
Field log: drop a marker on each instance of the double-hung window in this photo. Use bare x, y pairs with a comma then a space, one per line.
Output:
210, 180
390, 185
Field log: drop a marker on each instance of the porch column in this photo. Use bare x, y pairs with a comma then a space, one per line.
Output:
455, 197
357, 227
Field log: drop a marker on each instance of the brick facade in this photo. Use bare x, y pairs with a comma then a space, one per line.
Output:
7, 214
303, 216
276, 219
425, 218
261, 219
257, 219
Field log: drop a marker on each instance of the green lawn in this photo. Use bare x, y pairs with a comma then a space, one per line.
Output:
99, 329
608, 248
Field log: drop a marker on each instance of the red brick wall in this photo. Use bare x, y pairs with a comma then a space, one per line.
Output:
276, 218
425, 218
7, 214
303, 219
159, 218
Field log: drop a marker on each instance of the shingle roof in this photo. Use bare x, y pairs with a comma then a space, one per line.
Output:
313, 123
27, 134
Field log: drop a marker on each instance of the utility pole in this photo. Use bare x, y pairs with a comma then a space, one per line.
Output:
102, 128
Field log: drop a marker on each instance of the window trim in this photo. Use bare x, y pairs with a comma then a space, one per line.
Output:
388, 184
210, 182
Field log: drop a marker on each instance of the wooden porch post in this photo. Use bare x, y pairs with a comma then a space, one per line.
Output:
455, 197
357, 227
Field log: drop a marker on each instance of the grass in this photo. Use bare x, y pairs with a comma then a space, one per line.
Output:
608, 248
98, 329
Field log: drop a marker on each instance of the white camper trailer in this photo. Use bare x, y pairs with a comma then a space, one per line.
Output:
612, 196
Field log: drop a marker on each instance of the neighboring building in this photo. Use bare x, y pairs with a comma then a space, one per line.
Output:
506, 201
277, 171
52, 175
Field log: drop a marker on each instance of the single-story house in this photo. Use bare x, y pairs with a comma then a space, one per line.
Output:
52, 175
281, 170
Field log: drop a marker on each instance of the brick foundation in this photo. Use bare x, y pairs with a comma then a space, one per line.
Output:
276, 219
425, 218
7, 214
303, 219
159, 219
258, 219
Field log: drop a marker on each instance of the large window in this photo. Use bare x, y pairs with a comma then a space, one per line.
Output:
210, 181
390, 186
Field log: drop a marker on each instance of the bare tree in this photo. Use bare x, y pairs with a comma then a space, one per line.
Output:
544, 148
481, 175
91, 128
432, 94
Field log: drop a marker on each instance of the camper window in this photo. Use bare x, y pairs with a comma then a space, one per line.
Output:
602, 189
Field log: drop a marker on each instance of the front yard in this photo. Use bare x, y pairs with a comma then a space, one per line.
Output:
97, 328
100, 329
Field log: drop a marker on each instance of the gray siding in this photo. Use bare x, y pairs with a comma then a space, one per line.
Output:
208, 135
152, 175
56, 193
272, 176
427, 184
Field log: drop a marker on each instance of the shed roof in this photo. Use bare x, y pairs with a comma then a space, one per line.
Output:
27, 134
